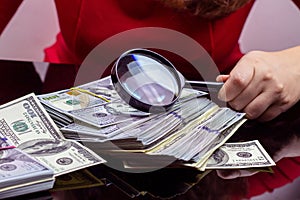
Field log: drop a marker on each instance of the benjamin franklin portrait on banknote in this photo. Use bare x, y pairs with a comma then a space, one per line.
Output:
45, 147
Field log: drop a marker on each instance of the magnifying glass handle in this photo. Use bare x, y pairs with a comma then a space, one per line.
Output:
206, 86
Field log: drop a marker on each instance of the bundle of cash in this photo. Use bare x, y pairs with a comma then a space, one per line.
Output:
20, 174
49, 132
25, 124
89, 103
191, 131
96, 112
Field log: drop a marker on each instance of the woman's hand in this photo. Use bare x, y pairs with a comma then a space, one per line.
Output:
263, 84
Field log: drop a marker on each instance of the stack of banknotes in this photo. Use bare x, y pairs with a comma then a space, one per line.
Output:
191, 131
43, 137
33, 151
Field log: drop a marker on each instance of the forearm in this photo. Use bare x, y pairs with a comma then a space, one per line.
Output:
291, 57
294, 52
7, 10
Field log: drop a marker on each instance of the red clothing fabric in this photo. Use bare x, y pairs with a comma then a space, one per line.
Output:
285, 171
86, 23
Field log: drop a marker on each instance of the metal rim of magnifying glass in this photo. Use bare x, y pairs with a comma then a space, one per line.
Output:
131, 100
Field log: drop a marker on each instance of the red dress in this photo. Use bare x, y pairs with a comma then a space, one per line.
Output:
87, 23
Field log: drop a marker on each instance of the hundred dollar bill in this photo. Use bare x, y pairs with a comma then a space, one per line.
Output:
157, 128
200, 159
166, 142
199, 134
214, 133
70, 99
90, 94
105, 88
118, 111
107, 114
17, 167
81, 131
102, 87
147, 130
97, 103
58, 104
94, 103
240, 155
89, 109
25, 119
26, 124
63, 156
162, 125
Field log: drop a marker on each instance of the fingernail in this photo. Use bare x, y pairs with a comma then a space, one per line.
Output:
219, 78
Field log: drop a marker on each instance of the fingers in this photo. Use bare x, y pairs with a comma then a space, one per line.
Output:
239, 79
248, 94
272, 112
258, 86
222, 78
258, 103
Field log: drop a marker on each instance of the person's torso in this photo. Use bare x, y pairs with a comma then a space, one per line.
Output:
86, 23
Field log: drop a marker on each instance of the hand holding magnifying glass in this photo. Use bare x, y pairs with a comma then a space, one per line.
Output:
149, 82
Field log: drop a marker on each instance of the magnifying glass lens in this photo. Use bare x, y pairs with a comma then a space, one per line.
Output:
148, 80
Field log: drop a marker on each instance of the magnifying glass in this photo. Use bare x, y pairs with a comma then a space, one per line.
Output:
149, 82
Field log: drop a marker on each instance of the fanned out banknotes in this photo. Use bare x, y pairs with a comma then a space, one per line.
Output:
41, 151
191, 131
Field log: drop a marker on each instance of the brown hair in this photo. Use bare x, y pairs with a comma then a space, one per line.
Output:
209, 9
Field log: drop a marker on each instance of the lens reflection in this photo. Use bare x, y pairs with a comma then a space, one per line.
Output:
148, 80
